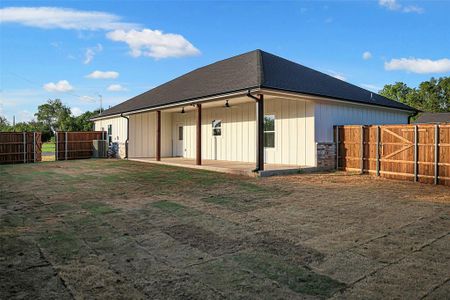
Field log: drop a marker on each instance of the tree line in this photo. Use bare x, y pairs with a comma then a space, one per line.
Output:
430, 96
50, 117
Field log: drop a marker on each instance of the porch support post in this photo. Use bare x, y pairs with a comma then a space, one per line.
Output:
260, 133
199, 135
158, 135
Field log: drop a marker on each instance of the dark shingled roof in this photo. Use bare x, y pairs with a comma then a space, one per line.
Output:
433, 118
255, 69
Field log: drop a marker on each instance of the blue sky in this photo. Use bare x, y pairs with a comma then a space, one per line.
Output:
78, 50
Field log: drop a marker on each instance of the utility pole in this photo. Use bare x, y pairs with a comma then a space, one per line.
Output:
101, 103
14, 123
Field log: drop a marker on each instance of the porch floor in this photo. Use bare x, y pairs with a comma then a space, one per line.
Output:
225, 166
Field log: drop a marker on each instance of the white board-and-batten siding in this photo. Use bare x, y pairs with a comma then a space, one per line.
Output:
299, 125
294, 132
119, 131
328, 114
119, 128
142, 140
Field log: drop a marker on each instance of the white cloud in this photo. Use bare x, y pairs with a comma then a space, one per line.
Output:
62, 18
116, 88
367, 55
87, 99
76, 111
337, 75
24, 116
103, 75
91, 52
154, 43
413, 9
395, 6
389, 4
371, 87
146, 42
60, 86
418, 65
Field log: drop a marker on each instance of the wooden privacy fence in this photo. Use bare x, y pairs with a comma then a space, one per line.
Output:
76, 145
408, 152
20, 147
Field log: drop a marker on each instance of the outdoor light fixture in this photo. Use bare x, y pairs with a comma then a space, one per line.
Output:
227, 105
182, 110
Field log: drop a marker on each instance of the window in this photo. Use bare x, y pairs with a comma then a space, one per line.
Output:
180, 133
269, 131
217, 127
110, 134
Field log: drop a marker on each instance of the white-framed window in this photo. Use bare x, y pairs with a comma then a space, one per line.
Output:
269, 131
217, 127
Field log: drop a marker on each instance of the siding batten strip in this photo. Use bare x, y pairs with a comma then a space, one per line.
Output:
415, 153
436, 154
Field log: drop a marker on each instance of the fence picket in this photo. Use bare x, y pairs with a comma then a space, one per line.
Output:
407, 152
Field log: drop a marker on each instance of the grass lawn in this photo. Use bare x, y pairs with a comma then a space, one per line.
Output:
123, 229
48, 147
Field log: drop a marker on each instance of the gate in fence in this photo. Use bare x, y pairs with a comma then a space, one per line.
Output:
20, 147
408, 152
76, 145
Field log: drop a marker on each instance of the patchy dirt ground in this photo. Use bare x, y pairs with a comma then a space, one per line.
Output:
120, 229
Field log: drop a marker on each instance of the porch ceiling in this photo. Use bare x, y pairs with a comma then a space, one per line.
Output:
211, 104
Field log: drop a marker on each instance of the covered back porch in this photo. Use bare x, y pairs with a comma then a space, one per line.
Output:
247, 134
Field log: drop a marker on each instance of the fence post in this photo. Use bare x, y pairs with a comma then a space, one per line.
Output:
378, 151
337, 147
34, 146
65, 145
415, 153
362, 149
56, 146
436, 154
24, 147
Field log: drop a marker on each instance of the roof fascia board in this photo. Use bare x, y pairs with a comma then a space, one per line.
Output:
301, 96
104, 117
199, 100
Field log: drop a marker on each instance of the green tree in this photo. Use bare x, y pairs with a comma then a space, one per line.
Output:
431, 96
398, 91
83, 123
54, 116
4, 124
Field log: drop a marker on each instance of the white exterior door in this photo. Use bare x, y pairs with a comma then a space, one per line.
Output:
178, 139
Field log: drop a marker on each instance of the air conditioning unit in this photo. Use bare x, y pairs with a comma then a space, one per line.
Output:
100, 148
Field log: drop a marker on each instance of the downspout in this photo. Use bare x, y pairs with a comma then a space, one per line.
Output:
251, 96
413, 115
128, 134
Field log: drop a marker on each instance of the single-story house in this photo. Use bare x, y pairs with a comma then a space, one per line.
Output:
255, 108
433, 118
